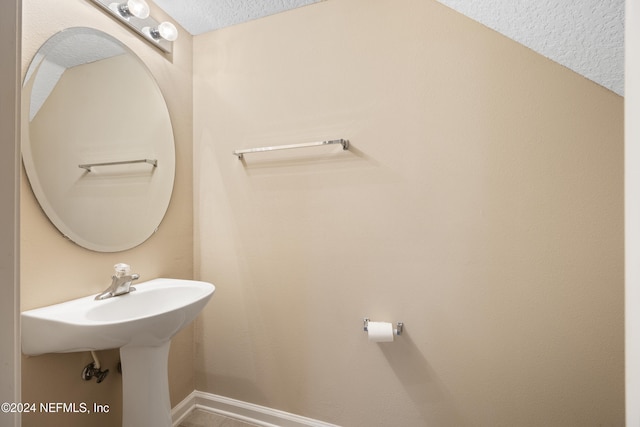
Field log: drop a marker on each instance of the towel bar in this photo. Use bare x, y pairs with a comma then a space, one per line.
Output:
343, 142
88, 166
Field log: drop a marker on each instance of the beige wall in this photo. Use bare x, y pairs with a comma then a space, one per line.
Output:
54, 270
481, 204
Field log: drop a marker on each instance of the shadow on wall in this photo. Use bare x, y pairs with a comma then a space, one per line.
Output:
257, 164
420, 381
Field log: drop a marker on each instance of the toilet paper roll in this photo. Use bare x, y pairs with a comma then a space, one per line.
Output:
380, 331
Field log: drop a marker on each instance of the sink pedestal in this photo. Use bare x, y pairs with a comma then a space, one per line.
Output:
145, 386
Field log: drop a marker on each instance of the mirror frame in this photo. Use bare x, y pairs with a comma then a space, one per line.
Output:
118, 202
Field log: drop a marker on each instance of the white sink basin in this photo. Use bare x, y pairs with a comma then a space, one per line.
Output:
140, 323
148, 316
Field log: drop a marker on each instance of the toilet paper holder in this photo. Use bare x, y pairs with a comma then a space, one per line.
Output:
397, 331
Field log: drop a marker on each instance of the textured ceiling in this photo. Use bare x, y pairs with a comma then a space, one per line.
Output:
201, 16
586, 36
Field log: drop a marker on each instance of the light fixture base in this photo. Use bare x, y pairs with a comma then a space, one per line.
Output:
136, 24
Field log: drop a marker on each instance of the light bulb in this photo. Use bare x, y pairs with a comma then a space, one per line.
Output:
138, 8
168, 31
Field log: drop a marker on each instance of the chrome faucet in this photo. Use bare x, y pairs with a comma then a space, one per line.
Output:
120, 282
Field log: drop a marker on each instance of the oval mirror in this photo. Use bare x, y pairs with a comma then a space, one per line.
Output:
97, 142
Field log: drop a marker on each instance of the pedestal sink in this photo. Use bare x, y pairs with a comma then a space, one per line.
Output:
140, 323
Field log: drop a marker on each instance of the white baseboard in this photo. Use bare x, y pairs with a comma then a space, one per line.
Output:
254, 414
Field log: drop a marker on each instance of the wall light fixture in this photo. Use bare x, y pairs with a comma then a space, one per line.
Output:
135, 14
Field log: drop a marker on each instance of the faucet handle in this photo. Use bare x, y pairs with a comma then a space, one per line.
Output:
122, 269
